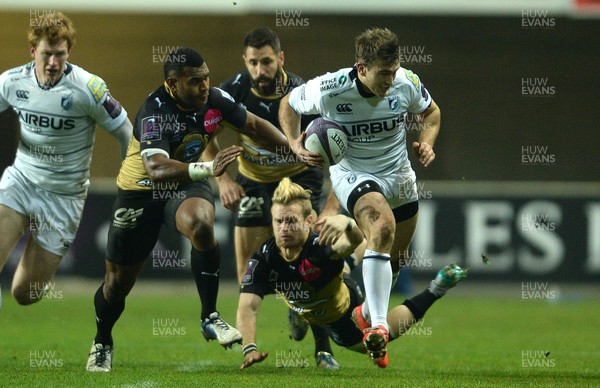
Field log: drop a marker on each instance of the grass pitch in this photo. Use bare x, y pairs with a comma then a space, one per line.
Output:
473, 337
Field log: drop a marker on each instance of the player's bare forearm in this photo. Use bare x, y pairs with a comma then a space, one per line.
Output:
163, 169
430, 126
160, 168
289, 120
123, 135
211, 150
264, 133
230, 192
248, 308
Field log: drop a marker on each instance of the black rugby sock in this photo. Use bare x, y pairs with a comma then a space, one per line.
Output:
205, 267
321, 339
419, 304
107, 315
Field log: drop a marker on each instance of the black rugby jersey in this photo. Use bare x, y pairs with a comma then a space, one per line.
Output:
255, 162
182, 133
312, 284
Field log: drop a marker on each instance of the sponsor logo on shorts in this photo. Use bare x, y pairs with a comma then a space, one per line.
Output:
127, 218
251, 207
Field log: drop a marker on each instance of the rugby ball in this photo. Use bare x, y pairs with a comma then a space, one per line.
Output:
327, 138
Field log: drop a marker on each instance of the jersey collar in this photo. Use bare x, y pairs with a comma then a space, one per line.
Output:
67, 71
359, 85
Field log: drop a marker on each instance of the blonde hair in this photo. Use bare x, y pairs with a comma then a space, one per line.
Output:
55, 27
288, 192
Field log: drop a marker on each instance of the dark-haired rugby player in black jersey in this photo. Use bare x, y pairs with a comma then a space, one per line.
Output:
259, 90
163, 181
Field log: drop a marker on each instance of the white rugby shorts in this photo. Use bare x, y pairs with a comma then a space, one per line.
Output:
53, 218
399, 187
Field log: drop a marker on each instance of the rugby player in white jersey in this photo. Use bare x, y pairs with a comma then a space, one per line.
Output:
58, 105
375, 181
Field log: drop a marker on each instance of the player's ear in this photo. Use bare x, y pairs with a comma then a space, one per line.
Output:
281, 58
309, 221
32, 52
172, 82
362, 69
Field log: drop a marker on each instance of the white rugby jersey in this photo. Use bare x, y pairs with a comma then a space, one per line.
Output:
58, 125
374, 125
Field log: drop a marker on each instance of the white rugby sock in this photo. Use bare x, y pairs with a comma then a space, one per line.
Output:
377, 276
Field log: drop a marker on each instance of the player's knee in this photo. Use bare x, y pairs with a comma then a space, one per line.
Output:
114, 292
201, 232
116, 288
25, 296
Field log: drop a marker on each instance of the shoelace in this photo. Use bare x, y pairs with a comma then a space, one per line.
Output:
221, 323
100, 354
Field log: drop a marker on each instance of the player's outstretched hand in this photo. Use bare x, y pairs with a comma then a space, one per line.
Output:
331, 228
224, 158
253, 358
313, 159
425, 152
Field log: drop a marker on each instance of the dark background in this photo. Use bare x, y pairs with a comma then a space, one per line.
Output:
475, 72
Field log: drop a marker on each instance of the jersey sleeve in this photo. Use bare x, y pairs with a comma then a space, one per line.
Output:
256, 277
306, 98
152, 136
419, 97
106, 110
232, 112
4, 104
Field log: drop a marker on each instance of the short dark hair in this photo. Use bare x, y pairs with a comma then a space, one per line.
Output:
181, 58
262, 36
377, 43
